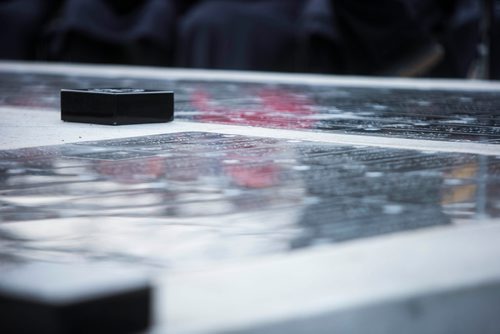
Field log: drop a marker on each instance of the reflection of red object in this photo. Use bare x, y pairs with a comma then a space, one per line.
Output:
273, 108
132, 171
276, 108
253, 176
252, 171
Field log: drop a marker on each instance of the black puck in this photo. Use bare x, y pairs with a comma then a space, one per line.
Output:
117, 106
57, 299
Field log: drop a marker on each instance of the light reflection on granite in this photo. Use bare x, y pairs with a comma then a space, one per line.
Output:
408, 113
192, 198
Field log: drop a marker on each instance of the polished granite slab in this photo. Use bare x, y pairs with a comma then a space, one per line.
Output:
435, 114
254, 228
192, 198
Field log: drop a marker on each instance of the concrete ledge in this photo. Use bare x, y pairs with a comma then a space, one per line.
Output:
440, 280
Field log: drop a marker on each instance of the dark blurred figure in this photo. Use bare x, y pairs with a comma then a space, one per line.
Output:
242, 34
385, 37
113, 31
21, 23
495, 40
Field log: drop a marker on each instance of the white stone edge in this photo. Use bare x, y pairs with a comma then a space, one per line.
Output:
22, 128
243, 76
449, 274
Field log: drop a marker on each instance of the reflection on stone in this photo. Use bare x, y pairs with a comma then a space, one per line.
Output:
410, 113
191, 198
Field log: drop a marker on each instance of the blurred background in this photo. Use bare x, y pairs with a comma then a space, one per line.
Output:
411, 38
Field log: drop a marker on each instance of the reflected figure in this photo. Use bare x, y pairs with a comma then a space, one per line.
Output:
270, 107
362, 201
154, 200
187, 198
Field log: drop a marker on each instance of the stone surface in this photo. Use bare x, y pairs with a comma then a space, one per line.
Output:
209, 196
436, 114
273, 204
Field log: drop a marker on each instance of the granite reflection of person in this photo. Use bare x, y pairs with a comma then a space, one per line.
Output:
354, 201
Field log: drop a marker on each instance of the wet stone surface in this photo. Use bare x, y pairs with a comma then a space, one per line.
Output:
176, 200
409, 113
